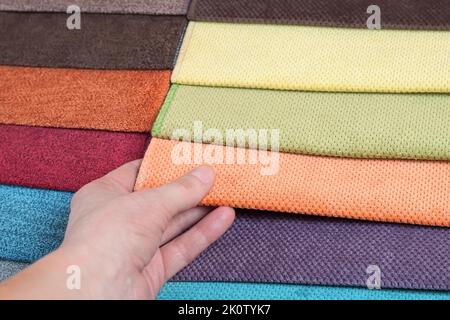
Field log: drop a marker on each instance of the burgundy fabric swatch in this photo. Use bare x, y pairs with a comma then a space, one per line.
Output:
105, 41
63, 159
395, 14
283, 248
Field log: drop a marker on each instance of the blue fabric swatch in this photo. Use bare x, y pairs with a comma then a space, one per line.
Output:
256, 291
10, 268
32, 222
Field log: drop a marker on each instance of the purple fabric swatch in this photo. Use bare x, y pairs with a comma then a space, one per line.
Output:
278, 248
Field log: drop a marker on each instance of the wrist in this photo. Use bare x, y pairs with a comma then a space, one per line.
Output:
89, 274
67, 273
45, 279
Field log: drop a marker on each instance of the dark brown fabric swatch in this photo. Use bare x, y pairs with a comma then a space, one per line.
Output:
103, 42
395, 14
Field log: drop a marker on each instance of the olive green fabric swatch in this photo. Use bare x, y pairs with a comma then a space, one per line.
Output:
357, 125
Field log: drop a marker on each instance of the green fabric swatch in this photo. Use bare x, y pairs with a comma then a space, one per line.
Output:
358, 125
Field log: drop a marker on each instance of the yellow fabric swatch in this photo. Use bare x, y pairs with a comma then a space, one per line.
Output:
314, 58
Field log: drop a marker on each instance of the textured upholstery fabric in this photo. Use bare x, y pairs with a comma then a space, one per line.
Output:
260, 247
414, 192
105, 41
63, 159
359, 125
10, 268
88, 99
32, 222
402, 14
109, 6
282, 248
313, 58
256, 291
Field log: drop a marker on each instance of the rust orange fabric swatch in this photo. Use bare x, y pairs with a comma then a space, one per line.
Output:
86, 99
404, 191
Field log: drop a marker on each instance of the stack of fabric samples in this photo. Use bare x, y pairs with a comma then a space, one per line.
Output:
75, 103
336, 121
347, 176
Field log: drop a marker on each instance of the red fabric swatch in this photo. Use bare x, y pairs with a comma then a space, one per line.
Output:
63, 159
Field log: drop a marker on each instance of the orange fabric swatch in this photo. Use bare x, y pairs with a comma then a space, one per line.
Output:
414, 192
87, 99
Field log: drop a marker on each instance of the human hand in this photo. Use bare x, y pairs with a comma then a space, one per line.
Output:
128, 244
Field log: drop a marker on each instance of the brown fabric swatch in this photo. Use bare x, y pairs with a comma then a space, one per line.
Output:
103, 6
395, 14
103, 42
116, 100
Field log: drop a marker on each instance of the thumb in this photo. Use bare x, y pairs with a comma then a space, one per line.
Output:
181, 195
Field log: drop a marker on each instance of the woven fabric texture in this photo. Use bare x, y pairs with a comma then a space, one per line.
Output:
63, 159
256, 291
397, 14
313, 58
360, 125
105, 41
10, 268
414, 192
173, 7
32, 222
88, 99
281, 248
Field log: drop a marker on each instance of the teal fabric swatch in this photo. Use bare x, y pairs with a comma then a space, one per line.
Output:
32, 222
256, 291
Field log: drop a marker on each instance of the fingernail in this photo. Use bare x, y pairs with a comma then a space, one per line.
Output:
204, 173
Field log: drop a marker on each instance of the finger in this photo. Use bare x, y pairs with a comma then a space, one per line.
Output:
183, 221
116, 183
123, 177
183, 250
167, 201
